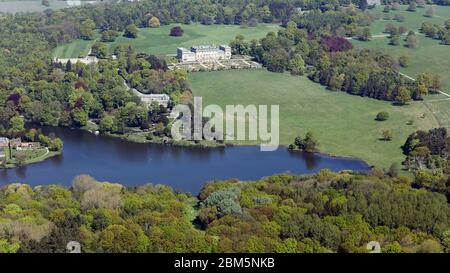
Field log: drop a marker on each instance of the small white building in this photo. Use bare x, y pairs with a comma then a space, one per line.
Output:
85, 60
206, 53
4, 141
374, 2
161, 99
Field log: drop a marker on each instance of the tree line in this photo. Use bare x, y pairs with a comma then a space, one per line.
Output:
325, 212
331, 61
436, 31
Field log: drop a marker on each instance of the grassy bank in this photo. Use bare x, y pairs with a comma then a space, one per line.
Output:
31, 156
141, 138
344, 124
75, 49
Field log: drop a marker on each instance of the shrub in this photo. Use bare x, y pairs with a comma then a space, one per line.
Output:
395, 6
131, 31
402, 29
403, 61
382, 116
100, 50
154, 22
109, 36
412, 6
387, 135
429, 12
308, 144
399, 18
176, 31
253, 22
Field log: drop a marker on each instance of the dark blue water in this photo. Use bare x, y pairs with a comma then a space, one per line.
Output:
116, 160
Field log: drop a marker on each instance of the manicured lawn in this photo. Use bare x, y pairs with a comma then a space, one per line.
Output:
157, 40
75, 49
31, 156
344, 124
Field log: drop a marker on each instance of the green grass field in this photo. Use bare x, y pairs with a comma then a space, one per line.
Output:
413, 20
14, 6
31, 156
429, 56
157, 40
344, 124
75, 49
441, 110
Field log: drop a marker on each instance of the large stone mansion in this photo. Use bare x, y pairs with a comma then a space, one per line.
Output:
204, 54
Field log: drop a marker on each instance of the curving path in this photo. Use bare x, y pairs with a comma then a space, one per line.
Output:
439, 91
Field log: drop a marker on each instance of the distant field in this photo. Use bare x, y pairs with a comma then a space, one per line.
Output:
413, 20
15, 6
158, 41
29, 6
344, 124
429, 56
77, 48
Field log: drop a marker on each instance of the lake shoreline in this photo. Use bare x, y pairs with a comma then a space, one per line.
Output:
181, 167
42, 158
130, 137
213, 145
227, 144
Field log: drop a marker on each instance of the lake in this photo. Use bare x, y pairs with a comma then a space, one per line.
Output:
186, 168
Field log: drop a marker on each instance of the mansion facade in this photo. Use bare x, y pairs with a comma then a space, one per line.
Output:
204, 54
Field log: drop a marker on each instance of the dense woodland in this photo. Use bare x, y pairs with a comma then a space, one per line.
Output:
428, 156
73, 94
327, 212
